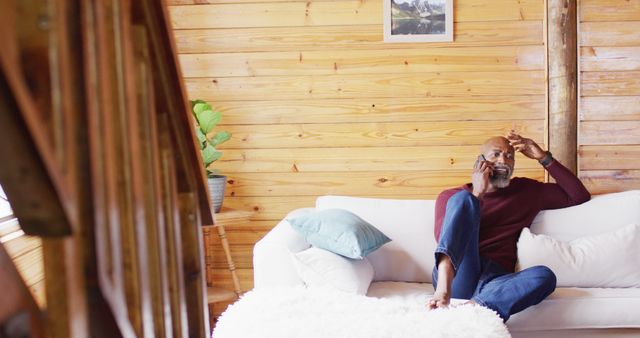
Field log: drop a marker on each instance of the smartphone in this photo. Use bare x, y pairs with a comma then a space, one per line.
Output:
480, 159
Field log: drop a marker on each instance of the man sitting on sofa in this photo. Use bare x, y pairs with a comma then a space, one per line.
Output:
477, 227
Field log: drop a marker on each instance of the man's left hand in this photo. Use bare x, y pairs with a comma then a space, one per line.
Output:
526, 146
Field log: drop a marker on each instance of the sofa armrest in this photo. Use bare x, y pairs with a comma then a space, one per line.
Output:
272, 264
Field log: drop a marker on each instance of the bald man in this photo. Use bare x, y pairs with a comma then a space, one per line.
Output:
478, 225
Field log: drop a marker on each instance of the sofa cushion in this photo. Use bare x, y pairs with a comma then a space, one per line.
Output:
320, 268
603, 213
605, 260
339, 231
564, 309
581, 308
409, 224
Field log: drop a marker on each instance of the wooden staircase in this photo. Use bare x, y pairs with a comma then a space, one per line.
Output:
99, 160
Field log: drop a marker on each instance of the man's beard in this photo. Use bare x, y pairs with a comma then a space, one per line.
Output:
501, 176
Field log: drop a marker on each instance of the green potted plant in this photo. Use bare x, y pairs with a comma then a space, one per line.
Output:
206, 119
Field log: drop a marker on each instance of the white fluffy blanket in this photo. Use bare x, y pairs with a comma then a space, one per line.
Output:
308, 313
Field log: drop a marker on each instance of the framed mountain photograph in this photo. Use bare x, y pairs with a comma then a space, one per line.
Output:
418, 20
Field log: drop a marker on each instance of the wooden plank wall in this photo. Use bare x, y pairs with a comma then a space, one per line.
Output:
609, 101
319, 104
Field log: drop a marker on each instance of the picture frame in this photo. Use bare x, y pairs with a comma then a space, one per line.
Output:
418, 20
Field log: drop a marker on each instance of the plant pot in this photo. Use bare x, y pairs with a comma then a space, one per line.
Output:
217, 184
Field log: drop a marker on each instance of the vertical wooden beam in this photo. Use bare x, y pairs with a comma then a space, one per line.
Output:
175, 266
110, 318
194, 268
156, 19
147, 131
563, 83
64, 259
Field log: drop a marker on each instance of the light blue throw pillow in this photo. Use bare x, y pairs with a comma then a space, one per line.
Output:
339, 231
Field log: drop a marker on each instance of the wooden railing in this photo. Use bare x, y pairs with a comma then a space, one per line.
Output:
99, 161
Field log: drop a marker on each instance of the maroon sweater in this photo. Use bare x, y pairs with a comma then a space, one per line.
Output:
505, 212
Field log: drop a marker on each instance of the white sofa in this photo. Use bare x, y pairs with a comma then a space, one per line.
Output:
403, 267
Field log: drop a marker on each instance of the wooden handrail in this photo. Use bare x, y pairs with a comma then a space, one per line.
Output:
104, 166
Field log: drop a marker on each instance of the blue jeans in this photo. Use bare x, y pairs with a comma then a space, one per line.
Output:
484, 281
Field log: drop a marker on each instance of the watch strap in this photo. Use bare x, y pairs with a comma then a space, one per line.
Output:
547, 159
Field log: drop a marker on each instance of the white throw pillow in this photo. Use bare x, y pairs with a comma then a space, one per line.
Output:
602, 214
321, 268
605, 260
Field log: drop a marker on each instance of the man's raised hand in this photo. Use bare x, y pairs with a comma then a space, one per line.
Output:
526, 146
480, 177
